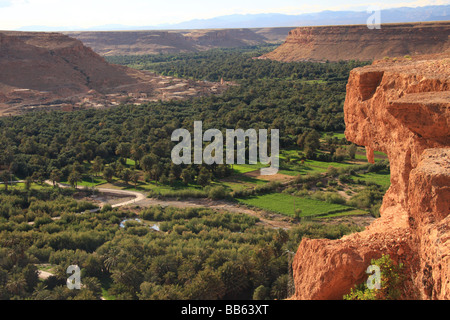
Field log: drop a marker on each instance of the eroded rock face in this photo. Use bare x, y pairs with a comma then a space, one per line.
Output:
111, 43
55, 62
402, 109
358, 42
52, 71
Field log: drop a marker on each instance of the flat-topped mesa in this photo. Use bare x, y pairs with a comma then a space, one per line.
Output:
358, 42
402, 108
110, 43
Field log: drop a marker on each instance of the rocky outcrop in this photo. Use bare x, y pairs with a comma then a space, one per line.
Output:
358, 42
401, 108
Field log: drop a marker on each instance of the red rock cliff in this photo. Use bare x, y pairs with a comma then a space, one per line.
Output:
401, 108
358, 42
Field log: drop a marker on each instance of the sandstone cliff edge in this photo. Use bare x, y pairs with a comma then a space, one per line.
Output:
402, 108
358, 42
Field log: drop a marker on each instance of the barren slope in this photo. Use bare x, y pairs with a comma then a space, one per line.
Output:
109, 43
55, 71
55, 62
358, 42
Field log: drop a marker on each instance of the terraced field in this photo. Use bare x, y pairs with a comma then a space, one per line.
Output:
287, 204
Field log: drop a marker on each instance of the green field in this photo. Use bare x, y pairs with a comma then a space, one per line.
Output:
244, 168
311, 167
339, 135
87, 181
285, 204
382, 178
21, 186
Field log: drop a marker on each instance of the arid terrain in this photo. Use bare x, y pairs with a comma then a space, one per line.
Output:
56, 72
111, 43
358, 42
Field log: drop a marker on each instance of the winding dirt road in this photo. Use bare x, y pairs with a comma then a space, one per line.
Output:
268, 219
139, 199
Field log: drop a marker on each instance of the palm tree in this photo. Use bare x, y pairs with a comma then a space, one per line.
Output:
97, 165
111, 259
28, 182
92, 284
108, 173
126, 175
135, 178
41, 292
74, 178
61, 292
55, 176
5, 176
16, 285
137, 153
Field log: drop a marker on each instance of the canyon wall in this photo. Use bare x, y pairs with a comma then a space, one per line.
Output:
110, 43
358, 42
402, 108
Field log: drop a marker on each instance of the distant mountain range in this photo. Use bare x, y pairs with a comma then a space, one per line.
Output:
395, 15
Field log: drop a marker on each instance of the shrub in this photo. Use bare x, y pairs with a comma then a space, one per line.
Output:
243, 193
217, 192
184, 193
261, 293
343, 178
332, 183
391, 286
267, 188
332, 171
42, 221
107, 207
330, 197
375, 210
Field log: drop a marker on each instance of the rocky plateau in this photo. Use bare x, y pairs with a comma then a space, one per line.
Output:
358, 42
113, 43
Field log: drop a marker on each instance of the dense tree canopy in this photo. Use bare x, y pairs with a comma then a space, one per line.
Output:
198, 253
291, 97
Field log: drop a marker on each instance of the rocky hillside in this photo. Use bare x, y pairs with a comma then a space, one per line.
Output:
55, 62
358, 42
110, 43
52, 70
401, 108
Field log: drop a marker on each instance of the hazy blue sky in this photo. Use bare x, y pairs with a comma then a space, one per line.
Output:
88, 13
